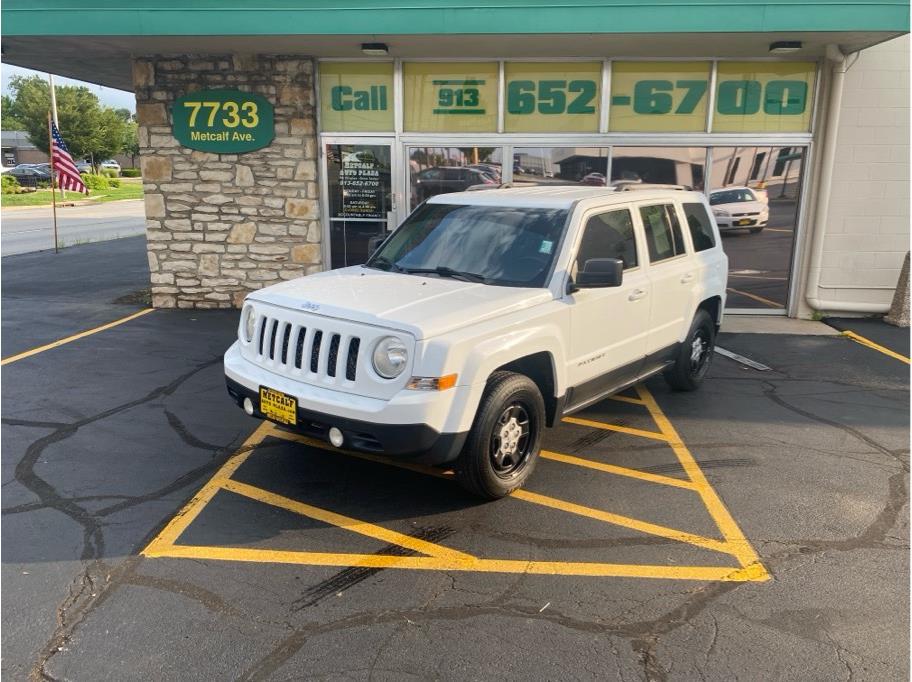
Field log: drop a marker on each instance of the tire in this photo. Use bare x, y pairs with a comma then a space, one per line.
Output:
511, 407
689, 370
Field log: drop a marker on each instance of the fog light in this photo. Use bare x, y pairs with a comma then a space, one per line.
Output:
248, 406
336, 437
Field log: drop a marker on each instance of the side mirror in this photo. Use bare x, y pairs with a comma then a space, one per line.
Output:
374, 243
601, 272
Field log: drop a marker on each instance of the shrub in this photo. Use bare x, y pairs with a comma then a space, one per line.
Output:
114, 182
10, 184
109, 172
96, 182
130, 173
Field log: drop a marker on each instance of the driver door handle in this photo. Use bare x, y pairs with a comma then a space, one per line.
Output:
687, 278
637, 294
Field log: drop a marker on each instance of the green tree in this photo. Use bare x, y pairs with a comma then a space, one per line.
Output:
131, 141
88, 128
7, 120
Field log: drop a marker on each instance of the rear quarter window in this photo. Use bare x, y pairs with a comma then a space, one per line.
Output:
700, 224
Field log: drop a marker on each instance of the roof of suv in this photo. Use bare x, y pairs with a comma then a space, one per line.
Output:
560, 196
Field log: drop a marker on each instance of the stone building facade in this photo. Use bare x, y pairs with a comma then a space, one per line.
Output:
222, 225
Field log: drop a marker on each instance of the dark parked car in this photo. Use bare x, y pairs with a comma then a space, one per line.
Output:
29, 176
440, 180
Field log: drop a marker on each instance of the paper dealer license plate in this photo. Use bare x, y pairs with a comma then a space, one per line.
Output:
278, 406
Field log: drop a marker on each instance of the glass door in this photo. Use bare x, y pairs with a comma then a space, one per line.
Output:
360, 201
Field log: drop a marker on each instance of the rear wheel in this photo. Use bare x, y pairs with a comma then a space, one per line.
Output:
694, 356
502, 447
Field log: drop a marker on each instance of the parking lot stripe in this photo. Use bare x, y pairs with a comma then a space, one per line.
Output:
761, 299
625, 521
625, 399
734, 538
616, 427
594, 569
346, 522
74, 337
171, 532
614, 469
858, 338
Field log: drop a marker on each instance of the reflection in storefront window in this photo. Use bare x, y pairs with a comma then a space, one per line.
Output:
560, 166
754, 193
440, 170
681, 167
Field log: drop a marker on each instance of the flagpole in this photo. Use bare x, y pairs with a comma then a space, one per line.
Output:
53, 180
54, 115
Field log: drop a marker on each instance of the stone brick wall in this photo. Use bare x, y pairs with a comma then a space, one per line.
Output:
221, 225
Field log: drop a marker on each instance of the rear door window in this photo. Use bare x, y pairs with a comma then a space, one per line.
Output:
663, 232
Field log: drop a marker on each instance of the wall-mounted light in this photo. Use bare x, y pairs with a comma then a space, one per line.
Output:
375, 49
785, 46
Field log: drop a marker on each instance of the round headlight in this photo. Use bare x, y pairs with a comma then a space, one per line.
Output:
390, 357
248, 322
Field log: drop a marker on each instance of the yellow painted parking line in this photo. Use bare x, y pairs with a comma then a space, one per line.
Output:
734, 538
346, 522
439, 557
171, 532
625, 399
74, 337
380, 561
614, 469
858, 338
624, 521
760, 299
616, 427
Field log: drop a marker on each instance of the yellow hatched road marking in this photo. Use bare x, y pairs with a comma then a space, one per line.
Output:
594, 569
614, 469
625, 521
734, 539
74, 337
625, 399
858, 338
448, 559
615, 427
346, 522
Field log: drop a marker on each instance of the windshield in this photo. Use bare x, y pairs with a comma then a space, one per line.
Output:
731, 196
490, 244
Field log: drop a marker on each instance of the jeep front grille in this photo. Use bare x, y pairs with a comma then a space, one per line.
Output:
298, 348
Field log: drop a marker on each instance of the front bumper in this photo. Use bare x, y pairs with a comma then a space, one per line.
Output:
413, 425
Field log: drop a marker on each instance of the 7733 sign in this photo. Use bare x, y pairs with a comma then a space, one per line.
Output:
223, 121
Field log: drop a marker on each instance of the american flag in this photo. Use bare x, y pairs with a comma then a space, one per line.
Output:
67, 175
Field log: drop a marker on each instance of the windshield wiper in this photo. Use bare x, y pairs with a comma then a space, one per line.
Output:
444, 271
390, 265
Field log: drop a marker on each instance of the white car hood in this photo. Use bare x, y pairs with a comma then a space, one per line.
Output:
742, 207
421, 306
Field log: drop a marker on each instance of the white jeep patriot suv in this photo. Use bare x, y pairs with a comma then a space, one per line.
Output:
483, 318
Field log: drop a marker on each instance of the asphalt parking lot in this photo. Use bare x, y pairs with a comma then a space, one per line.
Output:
757, 529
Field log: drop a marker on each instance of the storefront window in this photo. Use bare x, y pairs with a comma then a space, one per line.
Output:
356, 96
358, 184
678, 166
754, 193
753, 97
440, 170
454, 97
560, 166
552, 97
659, 96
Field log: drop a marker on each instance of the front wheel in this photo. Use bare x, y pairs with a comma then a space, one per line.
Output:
694, 356
502, 448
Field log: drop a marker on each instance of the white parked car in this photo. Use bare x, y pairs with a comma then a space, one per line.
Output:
740, 208
110, 164
485, 317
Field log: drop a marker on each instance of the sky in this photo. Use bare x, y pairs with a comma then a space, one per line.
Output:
118, 99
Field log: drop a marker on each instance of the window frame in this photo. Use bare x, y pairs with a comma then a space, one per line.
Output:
675, 206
